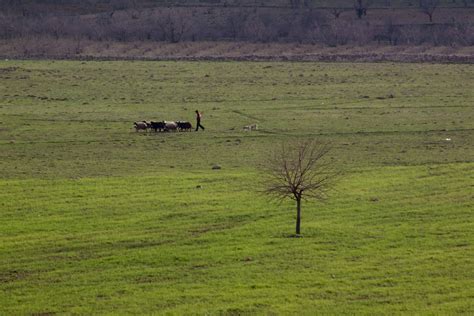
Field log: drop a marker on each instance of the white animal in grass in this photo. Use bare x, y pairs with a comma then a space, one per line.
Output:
252, 127
170, 126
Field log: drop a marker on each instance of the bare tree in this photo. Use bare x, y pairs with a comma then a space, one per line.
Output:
300, 172
295, 3
361, 7
258, 28
300, 3
428, 7
134, 9
336, 12
174, 24
235, 22
119, 4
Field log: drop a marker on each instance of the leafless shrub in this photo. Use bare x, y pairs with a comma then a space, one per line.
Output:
340, 32
7, 27
54, 26
452, 35
467, 34
260, 27
235, 21
412, 36
336, 12
173, 23
390, 34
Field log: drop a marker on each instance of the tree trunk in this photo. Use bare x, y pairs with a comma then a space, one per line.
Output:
298, 216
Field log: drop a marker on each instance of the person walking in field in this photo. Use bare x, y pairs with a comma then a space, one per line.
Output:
198, 121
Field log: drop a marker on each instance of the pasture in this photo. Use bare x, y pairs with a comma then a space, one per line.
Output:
99, 219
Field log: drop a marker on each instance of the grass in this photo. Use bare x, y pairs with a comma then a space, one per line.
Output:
99, 219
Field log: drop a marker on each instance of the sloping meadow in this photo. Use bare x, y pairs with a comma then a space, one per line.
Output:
98, 218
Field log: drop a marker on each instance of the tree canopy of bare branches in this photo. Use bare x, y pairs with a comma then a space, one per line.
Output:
173, 24
336, 12
300, 172
361, 7
247, 24
428, 7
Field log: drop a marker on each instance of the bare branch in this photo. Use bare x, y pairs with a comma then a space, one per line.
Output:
428, 7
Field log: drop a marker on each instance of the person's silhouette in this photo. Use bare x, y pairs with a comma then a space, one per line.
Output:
198, 121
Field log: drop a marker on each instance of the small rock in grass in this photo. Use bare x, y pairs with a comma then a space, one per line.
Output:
216, 167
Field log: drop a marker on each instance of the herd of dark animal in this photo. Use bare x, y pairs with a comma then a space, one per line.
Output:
163, 126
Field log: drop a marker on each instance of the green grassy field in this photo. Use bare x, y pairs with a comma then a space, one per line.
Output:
98, 219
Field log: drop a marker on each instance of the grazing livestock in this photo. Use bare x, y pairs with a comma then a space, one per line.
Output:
170, 126
163, 126
184, 126
140, 126
157, 126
